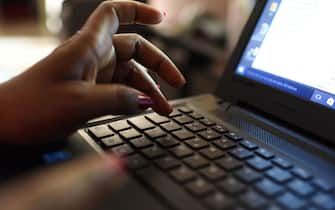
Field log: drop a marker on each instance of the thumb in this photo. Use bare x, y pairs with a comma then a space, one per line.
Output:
115, 99
77, 185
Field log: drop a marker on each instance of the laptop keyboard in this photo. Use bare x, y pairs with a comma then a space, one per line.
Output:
199, 160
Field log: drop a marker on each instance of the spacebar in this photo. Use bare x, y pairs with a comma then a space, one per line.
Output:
166, 188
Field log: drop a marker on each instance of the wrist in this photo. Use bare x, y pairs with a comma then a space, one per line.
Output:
7, 116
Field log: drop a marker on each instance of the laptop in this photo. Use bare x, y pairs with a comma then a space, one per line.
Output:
264, 140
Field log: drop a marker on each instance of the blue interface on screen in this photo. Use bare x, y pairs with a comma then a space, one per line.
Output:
292, 49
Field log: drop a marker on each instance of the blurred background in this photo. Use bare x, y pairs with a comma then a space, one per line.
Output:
198, 35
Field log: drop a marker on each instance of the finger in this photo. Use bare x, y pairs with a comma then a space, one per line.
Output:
77, 185
94, 40
123, 12
133, 46
116, 99
105, 21
136, 76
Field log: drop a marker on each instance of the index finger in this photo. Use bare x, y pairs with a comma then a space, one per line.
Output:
133, 46
104, 22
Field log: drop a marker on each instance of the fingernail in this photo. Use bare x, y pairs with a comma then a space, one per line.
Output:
117, 162
144, 102
109, 174
182, 81
143, 94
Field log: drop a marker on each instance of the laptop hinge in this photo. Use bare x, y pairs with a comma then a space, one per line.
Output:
251, 113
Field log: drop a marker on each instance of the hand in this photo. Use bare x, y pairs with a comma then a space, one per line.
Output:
94, 73
77, 185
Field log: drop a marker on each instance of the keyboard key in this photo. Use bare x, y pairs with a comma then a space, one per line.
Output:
207, 122
200, 187
183, 174
181, 151
196, 116
119, 125
225, 143
185, 109
196, 127
268, 187
141, 123
302, 173
265, 153
311, 208
209, 134
232, 186
248, 175
100, 131
142, 142
249, 145
112, 141
241, 153
279, 175
183, 134
167, 141
155, 133
323, 185
229, 163
196, 161
259, 164
175, 113
220, 129
219, 201
153, 152
183, 119
324, 201
156, 118
197, 143
137, 162
170, 126
212, 153
285, 164
253, 200
123, 150
167, 163
238, 207
130, 134
301, 188
289, 201
163, 186
275, 207
233, 136
213, 173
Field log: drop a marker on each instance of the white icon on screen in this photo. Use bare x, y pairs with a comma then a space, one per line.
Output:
260, 35
318, 97
264, 29
252, 53
330, 101
241, 70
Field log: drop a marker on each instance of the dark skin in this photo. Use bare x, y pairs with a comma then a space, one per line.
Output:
83, 77
96, 72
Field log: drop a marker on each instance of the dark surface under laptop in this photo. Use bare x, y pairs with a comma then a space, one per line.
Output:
216, 152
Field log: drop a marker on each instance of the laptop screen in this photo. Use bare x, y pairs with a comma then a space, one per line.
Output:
292, 49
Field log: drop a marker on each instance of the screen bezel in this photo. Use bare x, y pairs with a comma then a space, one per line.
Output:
298, 112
